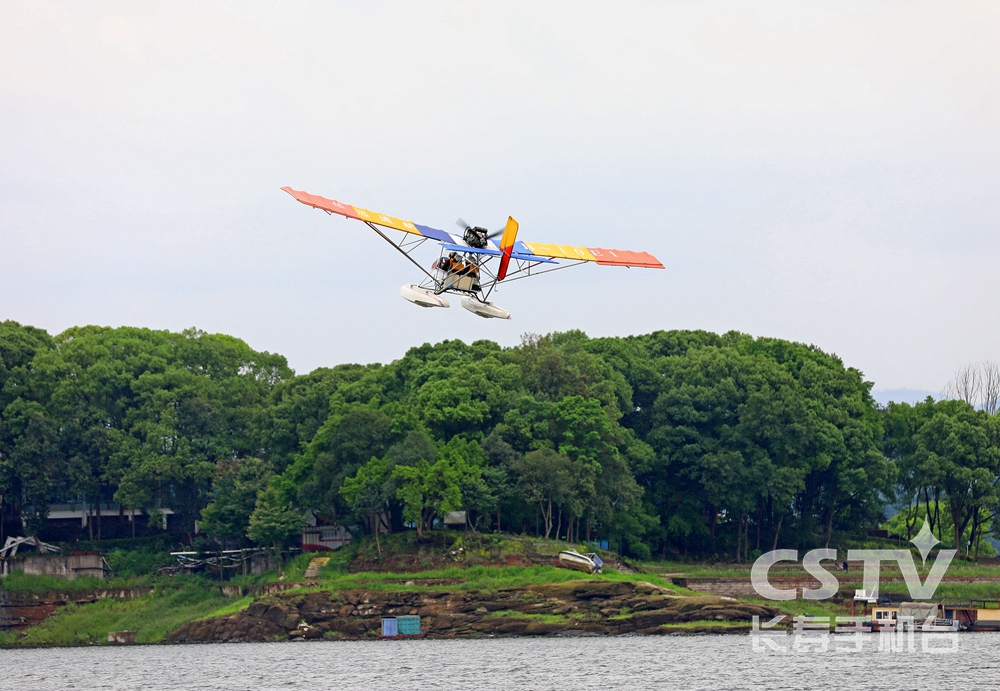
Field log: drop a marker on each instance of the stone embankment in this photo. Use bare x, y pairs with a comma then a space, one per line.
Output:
586, 607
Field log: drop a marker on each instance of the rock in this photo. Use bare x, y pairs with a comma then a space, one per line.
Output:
512, 627
276, 613
653, 631
732, 615
444, 622
257, 609
655, 618
646, 588
486, 625
539, 629
652, 602
356, 628
586, 590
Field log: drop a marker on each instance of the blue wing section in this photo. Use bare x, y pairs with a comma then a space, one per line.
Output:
525, 255
452, 247
532, 258
434, 233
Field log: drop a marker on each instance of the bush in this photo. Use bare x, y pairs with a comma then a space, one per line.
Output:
130, 563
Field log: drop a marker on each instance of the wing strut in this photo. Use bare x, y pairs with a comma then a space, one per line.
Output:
400, 250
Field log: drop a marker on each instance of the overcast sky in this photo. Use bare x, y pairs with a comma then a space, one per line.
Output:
826, 173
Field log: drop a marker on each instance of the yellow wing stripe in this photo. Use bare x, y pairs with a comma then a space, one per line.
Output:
386, 221
561, 251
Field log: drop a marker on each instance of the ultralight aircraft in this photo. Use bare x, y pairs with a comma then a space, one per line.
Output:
471, 265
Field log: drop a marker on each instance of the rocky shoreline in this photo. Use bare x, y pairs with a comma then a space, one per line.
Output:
584, 607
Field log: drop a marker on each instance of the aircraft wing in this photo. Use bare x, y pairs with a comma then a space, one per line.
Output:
378, 219
606, 257
529, 251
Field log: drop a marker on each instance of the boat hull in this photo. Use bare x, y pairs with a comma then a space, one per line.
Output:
422, 297
574, 560
486, 310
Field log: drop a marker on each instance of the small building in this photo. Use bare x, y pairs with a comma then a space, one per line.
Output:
884, 616
324, 538
71, 512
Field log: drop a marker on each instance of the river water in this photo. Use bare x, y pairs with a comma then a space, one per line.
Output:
712, 662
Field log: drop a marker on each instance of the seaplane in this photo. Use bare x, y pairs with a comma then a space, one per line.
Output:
472, 264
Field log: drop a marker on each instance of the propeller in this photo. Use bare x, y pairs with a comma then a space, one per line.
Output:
465, 226
474, 235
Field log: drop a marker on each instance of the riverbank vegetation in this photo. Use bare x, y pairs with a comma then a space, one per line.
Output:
166, 603
152, 617
678, 445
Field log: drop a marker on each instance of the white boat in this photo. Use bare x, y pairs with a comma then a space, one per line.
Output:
935, 626
588, 563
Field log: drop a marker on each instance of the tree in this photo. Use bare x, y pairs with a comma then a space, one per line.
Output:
978, 385
367, 491
146, 415
545, 478
296, 409
344, 443
274, 522
36, 466
501, 457
235, 489
958, 452
18, 346
427, 490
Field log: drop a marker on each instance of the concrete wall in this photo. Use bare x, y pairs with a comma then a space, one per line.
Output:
69, 566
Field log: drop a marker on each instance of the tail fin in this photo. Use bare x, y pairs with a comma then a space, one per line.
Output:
507, 246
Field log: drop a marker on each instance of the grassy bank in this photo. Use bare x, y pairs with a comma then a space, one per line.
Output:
152, 617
